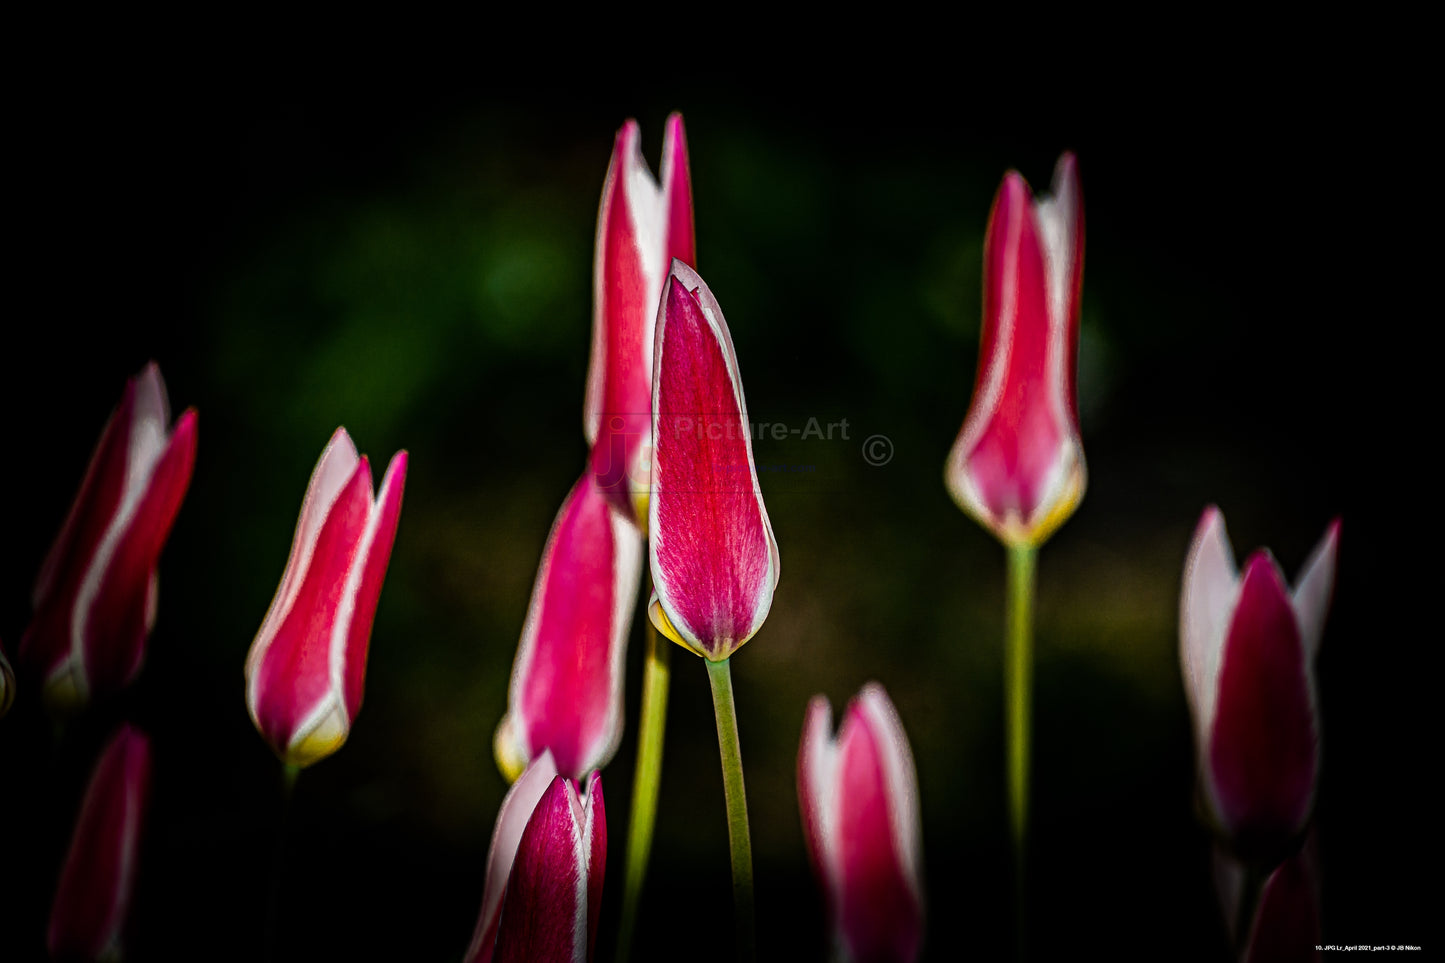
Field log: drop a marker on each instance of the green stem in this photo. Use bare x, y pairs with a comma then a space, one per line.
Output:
646, 779
719, 675
1018, 683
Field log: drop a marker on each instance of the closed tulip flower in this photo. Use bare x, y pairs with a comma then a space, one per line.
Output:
566, 691
1247, 647
543, 891
95, 599
89, 913
859, 800
713, 554
641, 226
307, 665
1018, 465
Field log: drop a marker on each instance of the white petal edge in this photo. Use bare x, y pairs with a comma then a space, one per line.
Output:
1211, 591
1313, 590
901, 779
820, 771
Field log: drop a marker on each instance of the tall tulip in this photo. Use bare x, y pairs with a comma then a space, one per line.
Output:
1018, 465
95, 598
713, 554
543, 892
566, 691
859, 799
96, 882
641, 226
1247, 649
307, 665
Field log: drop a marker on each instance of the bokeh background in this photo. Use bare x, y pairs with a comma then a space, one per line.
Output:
413, 260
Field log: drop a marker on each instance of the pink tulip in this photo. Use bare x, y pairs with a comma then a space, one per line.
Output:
641, 227
1286, 921
306, 668
713, 554
859, 798
1018, 465
96, 881
543, 892
566, 692
95, 598
1247, 647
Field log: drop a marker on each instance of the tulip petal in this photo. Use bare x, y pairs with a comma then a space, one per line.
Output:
1286, 924
566, 689
516, 810
714, 557
1017, 465
594, 830
545, 914
1263, 744
363, 586
1313, 589
1211, 588
641, 227
98, 877
860, 813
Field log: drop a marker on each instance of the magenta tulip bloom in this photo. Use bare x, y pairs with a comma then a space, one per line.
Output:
859, 798
641, 227
95, 598
713, 554
96, 881
566, 692
306, 668
544, 871
1247, 647
1018, 465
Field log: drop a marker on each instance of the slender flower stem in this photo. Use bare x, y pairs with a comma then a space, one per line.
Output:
289, 774
1018, 683
719, 675
646, 779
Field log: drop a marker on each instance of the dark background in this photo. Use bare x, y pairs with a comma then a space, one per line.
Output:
412, 257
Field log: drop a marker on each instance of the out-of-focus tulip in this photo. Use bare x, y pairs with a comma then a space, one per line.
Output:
306, 668
95, 598
714, 558
544, 871
566, 692
1018, 465
7, 685
641, 227
859, 798
91, 902
1286, 921
1247, 647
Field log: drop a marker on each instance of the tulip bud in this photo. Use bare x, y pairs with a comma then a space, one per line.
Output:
641, 227
91, 902
543, 892
307, 665
7, 685
859, 798
566, 691
95, 597
1247, 648
714, 558
1018, 465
